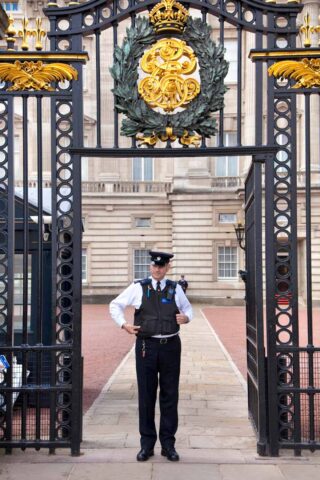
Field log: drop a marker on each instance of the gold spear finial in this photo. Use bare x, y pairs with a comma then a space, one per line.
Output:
39, 34
306, 29
11, 33
25, 33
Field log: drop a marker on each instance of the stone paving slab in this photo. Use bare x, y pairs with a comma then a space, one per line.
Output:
215, 439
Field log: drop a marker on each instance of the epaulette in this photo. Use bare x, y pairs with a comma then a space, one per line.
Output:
171, 283
144, 281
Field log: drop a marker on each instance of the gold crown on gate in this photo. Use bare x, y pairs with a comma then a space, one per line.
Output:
169, 16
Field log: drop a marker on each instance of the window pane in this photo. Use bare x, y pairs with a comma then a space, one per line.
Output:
84, 265
230, 139
227, 217
143, 222
232, 166
142, 169
228, 166
148, 170
227, 262
221, 167
11, 6
231, 56
141, 263
137, 169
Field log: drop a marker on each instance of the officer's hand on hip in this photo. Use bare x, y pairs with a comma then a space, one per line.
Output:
132, 329
181, 318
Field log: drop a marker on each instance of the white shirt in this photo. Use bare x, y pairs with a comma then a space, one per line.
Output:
132, 295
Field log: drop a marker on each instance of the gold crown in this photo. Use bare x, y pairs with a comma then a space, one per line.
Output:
169, 15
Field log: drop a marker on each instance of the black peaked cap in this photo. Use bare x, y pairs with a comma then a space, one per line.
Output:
160, 258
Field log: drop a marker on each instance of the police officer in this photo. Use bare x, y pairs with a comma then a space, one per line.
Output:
184, 284
160, 308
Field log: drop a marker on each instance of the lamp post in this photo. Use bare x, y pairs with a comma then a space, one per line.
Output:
240, 233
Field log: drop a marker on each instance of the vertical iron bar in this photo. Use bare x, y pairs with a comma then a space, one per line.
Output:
10, 259
98, 87
239, 85
270, 277
308, 219
115, 115
25, 261
39, 333
310, 352
133, 18
25, 220
204, 13
54, 253
221, 111
39, 328
258, 95
76, 360
133, 22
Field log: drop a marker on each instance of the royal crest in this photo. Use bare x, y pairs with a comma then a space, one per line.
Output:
184, 84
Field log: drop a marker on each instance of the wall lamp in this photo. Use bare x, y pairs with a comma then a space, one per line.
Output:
240, 234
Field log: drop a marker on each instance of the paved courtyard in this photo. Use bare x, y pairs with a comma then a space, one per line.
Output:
215, 439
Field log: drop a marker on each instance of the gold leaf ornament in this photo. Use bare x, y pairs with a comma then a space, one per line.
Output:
306, 72
35, 75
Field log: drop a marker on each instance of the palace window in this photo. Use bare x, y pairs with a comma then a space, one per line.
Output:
84, 264
142, 169
11, 6
228, 166
227, 218
231, 55
141, 262
142, 222
227, 263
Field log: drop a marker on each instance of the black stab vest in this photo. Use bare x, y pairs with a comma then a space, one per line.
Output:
157, 312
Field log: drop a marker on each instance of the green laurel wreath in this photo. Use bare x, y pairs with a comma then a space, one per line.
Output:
197, 116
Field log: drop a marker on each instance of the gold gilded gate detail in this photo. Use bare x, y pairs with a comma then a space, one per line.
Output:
167, 62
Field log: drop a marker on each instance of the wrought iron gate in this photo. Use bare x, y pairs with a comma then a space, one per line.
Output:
40, 333
256, 357
50, 367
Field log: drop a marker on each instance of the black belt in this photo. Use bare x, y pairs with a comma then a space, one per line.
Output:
162, 340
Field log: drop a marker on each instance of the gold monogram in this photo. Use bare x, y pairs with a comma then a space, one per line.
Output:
166, 87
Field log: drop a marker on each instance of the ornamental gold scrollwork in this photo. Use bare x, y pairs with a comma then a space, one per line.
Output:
185, 139
168, 61
35, 75
306, 72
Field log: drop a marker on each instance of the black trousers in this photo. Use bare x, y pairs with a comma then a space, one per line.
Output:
158, 364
